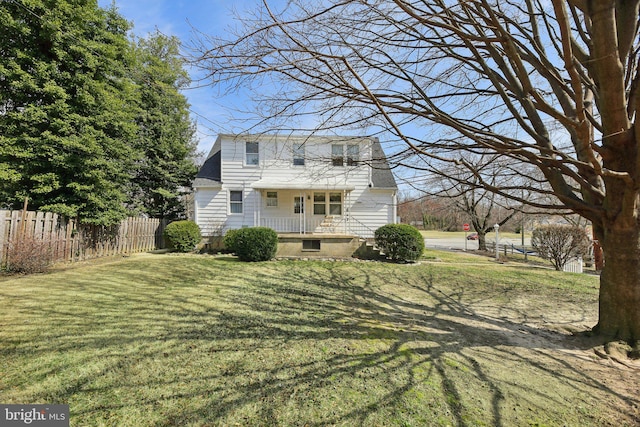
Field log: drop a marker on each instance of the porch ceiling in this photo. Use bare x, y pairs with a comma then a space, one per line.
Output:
266, 184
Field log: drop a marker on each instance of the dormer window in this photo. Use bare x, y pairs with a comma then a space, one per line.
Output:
298, 154
251, 150
353, 154
337, 155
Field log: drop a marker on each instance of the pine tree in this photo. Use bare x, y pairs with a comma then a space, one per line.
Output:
166, 135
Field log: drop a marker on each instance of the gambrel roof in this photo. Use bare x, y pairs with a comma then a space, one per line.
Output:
210, 174
381, 175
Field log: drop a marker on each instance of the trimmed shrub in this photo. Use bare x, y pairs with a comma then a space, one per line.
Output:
255, 244
182, 236
400, 242
229, 240
28, 255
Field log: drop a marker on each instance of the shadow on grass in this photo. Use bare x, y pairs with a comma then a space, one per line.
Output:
185, 341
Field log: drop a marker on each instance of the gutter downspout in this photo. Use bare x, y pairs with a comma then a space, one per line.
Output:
394, 213
195, 206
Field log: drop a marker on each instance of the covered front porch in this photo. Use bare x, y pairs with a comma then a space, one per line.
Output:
314, 209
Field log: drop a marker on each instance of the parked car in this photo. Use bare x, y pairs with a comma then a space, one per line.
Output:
472, 236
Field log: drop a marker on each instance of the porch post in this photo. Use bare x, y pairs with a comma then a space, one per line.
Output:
301, 214
345, 226
195, 207
259, 210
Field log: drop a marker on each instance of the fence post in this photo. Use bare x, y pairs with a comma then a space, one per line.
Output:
4, 235
23, 225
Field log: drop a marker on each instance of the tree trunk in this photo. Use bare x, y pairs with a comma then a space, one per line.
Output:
619, 308
482, 241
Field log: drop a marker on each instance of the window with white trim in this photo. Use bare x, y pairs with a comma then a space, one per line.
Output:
335, 203
353, 154
298, 154
337, 155
272, 199
235, 202
327, 202
319, 206
298, 204
251, 152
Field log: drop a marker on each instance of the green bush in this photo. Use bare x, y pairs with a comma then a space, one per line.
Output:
229, 240
400, 242
255, 244
182, 236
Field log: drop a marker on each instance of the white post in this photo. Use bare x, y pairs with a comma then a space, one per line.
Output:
260, 202
301, 224
496, 227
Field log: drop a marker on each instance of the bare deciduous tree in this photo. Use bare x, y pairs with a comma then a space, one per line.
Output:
560, 243
464, 188
551, 84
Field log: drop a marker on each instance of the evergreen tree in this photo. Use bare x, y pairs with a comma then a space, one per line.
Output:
166, 135
67, 108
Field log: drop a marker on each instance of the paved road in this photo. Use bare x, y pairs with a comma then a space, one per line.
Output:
472, 245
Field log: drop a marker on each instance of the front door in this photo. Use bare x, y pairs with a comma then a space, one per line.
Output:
298, 205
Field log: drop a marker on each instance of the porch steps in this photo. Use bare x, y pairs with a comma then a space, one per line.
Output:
368, 250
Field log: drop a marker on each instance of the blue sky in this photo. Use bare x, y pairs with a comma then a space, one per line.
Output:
178, 18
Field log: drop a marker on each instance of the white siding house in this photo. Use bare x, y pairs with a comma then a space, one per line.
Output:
295, 184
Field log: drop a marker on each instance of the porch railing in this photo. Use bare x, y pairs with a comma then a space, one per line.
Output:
291, 224
334, 225
359, 229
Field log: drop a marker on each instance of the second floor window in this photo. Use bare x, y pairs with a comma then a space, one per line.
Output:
353, 155
337, 155
298, 154
251, 153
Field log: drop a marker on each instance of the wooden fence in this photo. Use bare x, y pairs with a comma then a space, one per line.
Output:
67, 240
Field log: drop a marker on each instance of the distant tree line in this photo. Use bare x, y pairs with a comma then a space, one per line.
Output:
92, 121
431, 212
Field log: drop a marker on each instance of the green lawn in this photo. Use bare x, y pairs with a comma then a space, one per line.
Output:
164, 340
